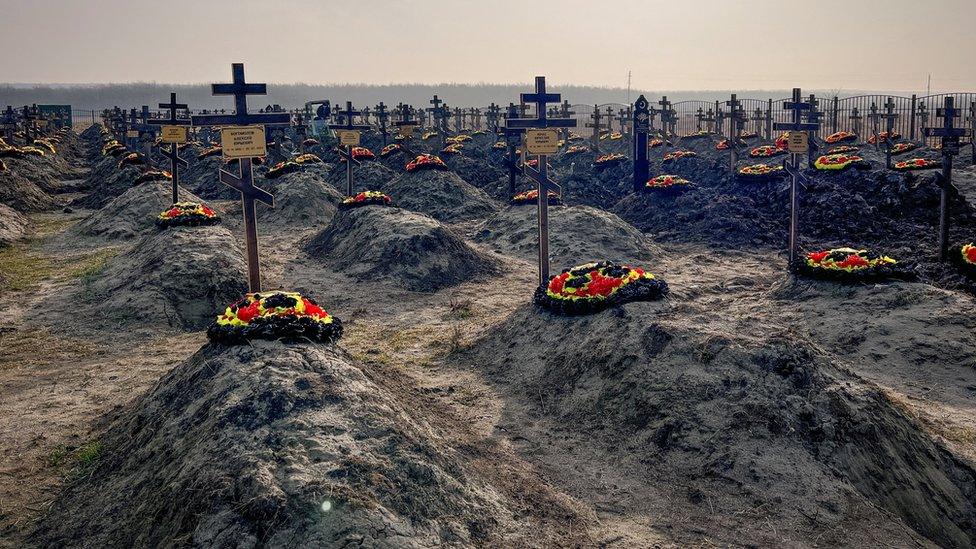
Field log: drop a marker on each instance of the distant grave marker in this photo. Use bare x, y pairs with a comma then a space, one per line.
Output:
383, 117
669, 119
950, 147
244, 183
856, 122
541, 174
493, 114
737, 117
9, 123
349, 136
797, 106
174, 132
642, 128
595, 117
513, 136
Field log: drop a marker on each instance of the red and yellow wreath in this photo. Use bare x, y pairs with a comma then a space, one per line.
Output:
426, 162
840, 137
667, 183
46, 144
291, 165
532, 197
210, 151
576, 149
275, 315
783, 141
678, 155
965, 258
883, 136
698, 134
722, 145
843, 149
766, 151
460, 138
593, 287
154, 175
917, 164
428, 135
132, 159
499, 145
847, 264
837, 162
454, 148
761, 170
606, 160
390, 149
187, 214
366, 198
310, 142
362, 153
904, 147
655, 143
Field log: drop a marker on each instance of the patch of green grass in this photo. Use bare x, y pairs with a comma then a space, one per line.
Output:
78, 462
21, 269
58, 456
91, 265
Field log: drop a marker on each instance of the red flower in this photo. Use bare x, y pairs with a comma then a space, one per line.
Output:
971, 254
853, 260
556, 285
247, 314
817, 257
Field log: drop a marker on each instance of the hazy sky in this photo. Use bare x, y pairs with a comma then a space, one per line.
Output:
675, 44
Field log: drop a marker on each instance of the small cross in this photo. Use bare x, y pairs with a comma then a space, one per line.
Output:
174, 158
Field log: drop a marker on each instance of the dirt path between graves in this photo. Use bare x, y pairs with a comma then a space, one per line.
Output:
56, 389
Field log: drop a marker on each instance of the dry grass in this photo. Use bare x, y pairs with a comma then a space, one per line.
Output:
22, 269
39, 347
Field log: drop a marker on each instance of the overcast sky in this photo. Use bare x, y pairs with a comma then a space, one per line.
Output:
675, 44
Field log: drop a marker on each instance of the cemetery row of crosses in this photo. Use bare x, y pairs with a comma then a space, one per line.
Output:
531, 234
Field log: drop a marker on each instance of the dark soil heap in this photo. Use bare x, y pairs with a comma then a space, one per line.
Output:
440, 194
411, 249
181, 276
577, 234
368, 176
22, 194
301, 198
133, 213
738, 423
107, 181
275, 445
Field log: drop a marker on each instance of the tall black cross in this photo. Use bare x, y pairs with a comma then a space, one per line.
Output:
512, 138
383, 117
699, 118
642, 128
759, 119
595, 117
438, 116
458, 119
889, 117
29, 116
350, 125
923, 115
737, 118
813, 116
244, 183
610, 117
625, 117
875, 117
174, 157
475, 114
405, 114
541, 174
9, 123
950, 147
493, 114
668, 120
797, 105
856, 122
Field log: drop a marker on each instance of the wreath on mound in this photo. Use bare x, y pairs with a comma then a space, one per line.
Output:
883, 136
748, 135
310, 142
362, 153
366, 198
20, 152
766, 151
532, 197
454, 148
153, 175
287, 316
615, 136
428, 135
783, 141
917, 164
289, 166
965, 258
132, 159
576, 149
426, 162
678, 155
667, 184
210, 151
843, 149
839, 162
593, 287
761, 171
573, 136
722, 145
607, 160
849, 265
655, 143
499, 145
47, 144
901, 148
390, 149
840, 137
458, 138
698, 134
187, 214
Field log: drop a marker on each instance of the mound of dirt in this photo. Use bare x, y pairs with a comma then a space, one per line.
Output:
301, 198
440, 194
368, 176
736, 423
105, 182
133, 213
203, 178
276, 445
13, 225
22, 194
409, 248
577, 234
479, 173
182, 276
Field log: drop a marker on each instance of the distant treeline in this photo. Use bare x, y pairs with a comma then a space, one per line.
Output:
100, 96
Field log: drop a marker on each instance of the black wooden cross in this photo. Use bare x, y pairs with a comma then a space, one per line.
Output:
699, 118
566, 112
475, 115
174, 157
642, 128
595, 117
383, 117
147, 132
889, 117
737, 118
493, 114
406, 113
350, 125
458, 119
950, 147
875, 117
720, 117
610, 117
797, 105
856, 122
9, 122
759, 119
813, 116
923, 115
625, 117
28, 116
513, 137
244, 183
365, 115
438, 116
541, 174
668, 119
